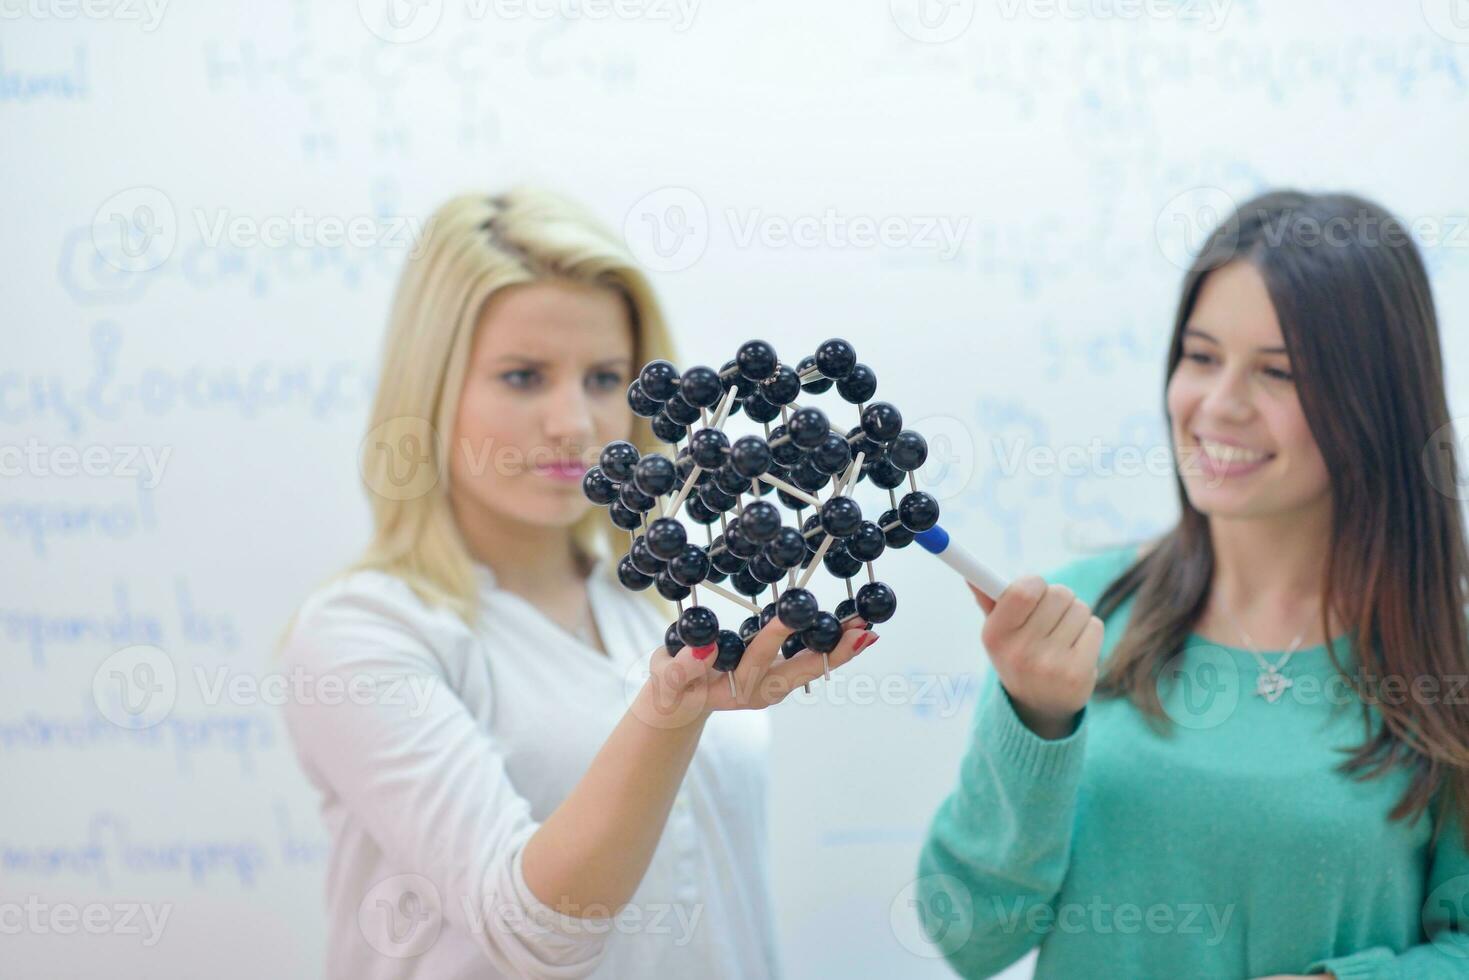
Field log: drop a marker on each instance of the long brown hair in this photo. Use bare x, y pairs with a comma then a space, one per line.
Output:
1360, 329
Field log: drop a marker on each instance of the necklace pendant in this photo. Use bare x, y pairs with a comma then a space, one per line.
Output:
1271, 685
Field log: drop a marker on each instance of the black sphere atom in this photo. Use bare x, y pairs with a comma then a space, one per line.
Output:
749, 628
792, 646
835, 358
876, 603
861, 442
883, 473
761, 409
817, 385
690, 566
786, 549
782, 387
671, 641
745, 583
730, 377
846, 609
655, 474
659, 379
631, 576
617, 460
628, 520
832, 454
839, 561
824, 633
701, 387
717, 499
811, 531
807, 427
760, 521
757, 360
808, 476
797, 608
750, 457
918, 511
893, 530
731, 649
634, 499
667, 429
642, 404
882, 421
729, 480
867, 543
669, 587
859, 386
767, 613
765, 570
787, 500
709, 448
783, 451
738, 542
840, 516
908, 451
723, 559
680, 411
698, 511
666, 537
598, 486
698, 626
643, 559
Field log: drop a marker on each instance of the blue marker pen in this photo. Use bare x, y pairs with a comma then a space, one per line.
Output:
936, 541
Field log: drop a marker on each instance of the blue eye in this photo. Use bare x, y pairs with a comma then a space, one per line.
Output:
608, 380
519, 378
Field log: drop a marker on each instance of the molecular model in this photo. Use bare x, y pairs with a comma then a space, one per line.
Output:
713, 479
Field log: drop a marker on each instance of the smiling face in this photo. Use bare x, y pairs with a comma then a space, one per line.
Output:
544, 390
1241, 439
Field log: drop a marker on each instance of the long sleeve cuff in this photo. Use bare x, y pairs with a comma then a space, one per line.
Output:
1025, 753
536, 938
1377, 963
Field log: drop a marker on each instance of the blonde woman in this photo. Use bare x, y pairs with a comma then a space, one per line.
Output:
559, 802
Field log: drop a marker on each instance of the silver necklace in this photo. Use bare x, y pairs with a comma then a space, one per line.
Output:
1271, 683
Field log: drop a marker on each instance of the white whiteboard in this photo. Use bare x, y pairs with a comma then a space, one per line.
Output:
990, 201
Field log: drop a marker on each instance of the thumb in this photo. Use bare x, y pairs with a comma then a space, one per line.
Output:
985, 602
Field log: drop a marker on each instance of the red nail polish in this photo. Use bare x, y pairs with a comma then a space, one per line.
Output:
702, 653
866, 641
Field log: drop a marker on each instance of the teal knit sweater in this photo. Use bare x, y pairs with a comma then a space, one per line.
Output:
1230, 849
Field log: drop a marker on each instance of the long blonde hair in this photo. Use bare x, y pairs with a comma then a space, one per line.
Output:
473, 246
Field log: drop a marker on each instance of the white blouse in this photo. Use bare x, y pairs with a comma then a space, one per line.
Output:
438, 750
